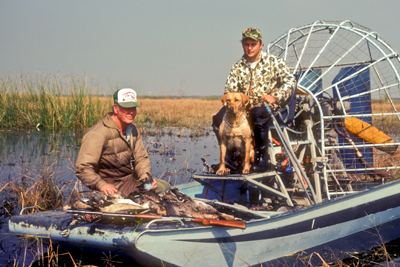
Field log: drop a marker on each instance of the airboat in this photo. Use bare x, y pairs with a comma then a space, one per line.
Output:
331, 186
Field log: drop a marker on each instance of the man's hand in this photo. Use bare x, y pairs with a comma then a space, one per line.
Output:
269, 99
108, 189
154, 185
150, 186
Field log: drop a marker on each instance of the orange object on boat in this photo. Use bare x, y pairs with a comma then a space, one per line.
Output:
369, 133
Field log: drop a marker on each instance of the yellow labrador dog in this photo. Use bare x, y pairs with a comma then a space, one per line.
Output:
235, 133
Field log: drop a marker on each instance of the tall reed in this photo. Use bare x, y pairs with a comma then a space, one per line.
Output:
74, 102
51, 101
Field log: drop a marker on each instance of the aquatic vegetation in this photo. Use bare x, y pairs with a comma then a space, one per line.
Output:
29, 184
42, 194
51, 101
75, 102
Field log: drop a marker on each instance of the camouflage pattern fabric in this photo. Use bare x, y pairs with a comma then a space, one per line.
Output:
252, 33
270, 76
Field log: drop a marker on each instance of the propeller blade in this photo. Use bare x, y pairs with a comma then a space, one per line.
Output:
369, 133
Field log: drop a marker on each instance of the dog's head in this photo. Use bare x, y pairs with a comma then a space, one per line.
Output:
234, 102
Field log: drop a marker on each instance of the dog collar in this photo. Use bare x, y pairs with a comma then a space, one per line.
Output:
234, 126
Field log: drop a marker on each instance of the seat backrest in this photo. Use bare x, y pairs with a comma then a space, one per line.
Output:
286, 114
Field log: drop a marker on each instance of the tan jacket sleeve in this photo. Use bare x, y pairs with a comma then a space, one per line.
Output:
88, 160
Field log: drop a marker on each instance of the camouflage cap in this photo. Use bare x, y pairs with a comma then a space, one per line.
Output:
252, 33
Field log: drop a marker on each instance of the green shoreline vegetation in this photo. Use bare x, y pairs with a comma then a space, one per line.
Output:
75, 102
51, 102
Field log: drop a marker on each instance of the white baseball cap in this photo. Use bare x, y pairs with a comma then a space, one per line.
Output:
126, 98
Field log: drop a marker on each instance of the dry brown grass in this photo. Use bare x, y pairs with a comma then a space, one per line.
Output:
188, 112
378, 107
387, 123
30, 187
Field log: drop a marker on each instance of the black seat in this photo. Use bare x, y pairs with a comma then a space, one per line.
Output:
286, 114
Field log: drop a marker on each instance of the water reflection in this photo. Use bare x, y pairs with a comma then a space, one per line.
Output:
175, 158
31, 149
172, 158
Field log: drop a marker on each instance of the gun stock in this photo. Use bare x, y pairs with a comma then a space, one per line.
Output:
234, 224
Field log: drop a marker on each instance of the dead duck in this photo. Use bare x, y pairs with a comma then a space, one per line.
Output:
179, 204
150, 195
121, 208
152, 205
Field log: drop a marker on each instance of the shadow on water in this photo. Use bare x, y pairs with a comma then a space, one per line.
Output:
26, 153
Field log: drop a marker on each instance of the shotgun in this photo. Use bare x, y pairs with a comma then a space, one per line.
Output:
135, 216
235, 224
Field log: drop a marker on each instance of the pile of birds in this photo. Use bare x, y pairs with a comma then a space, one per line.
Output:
171, 203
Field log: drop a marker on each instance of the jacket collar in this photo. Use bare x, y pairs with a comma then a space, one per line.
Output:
244, 61
110, 123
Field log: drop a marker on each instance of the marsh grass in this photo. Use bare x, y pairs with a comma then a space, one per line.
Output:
77, 102
41, 188
50, 101
73, 102
385, 160
388, 123
185, 112
35, 188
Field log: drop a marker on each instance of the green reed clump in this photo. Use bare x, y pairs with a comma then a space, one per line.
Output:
51, 101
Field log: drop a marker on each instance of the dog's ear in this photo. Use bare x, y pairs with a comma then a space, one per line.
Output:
245, 99
223, 99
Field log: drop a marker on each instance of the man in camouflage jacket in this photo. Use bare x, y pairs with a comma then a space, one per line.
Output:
265, 79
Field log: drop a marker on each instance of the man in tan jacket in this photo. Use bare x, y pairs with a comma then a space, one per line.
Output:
112, 155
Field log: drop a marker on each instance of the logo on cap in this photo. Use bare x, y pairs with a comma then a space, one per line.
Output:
126, 98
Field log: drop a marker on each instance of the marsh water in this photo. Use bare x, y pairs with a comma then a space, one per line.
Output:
174, 153
173, 157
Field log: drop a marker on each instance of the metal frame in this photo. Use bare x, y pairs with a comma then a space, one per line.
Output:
372, 38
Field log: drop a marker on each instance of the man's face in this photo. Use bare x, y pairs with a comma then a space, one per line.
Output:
252, 49
125, 115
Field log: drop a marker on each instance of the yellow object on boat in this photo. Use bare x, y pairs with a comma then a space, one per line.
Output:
369, 133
